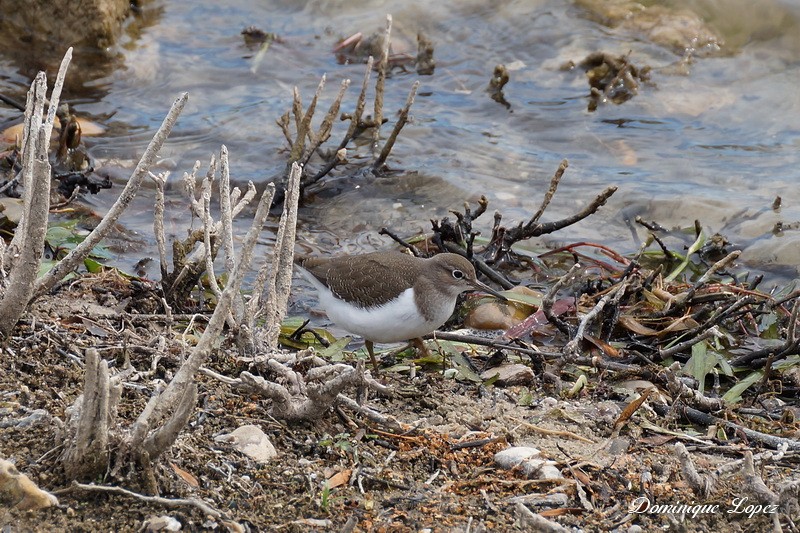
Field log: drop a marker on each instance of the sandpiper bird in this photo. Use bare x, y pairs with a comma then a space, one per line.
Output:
390, 296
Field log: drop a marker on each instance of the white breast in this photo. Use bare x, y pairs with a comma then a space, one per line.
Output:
394, 322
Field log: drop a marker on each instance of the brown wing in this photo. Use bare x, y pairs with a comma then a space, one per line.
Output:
368, 280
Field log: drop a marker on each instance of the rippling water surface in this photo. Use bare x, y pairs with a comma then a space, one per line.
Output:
715, 140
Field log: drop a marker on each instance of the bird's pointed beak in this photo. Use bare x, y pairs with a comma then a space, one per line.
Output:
487, 289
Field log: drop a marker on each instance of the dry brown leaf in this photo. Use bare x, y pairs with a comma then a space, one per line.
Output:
631, 324
559, 512
603, 346
340, 478
681, 324
630, 409
184, 475
582, 477
12, 133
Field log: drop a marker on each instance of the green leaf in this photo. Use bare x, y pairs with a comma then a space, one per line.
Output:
734, 394
525, 399
463, 368
432, 359
46, 266
489, 382
400, 367
527, 299
11, 209
701, 239
290, 325
768, 325
334, 352
723, 364
57, 236
92, 265
101, 252
700, 363
785, 364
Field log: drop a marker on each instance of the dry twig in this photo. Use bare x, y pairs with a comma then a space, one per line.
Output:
166, 502
700, 485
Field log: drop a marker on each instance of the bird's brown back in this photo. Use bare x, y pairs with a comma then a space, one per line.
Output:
367, 280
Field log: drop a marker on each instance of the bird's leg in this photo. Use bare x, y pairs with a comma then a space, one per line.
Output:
420, 346
371, 353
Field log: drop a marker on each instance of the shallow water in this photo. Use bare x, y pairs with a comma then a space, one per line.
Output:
717, 144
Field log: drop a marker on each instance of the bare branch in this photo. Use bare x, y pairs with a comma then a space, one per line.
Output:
87, 455
158, 220
29, 239
535, 229
551, 191
324, 132
754, 482
166, 502
401, 121
208, 226
82, 250
226, 212
572, 348
379, 86
279, 283
304, 125
700, 485
163, 437
550, 297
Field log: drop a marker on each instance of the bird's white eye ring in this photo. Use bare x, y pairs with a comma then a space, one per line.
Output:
458, 274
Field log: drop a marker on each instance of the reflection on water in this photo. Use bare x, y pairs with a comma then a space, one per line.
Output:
715, 140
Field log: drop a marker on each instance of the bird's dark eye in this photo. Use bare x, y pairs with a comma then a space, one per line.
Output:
458, 274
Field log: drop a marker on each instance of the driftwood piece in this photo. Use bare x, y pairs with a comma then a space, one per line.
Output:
754, 482
279, 281
86, 456
160, 182
308, 397
701, 485
698, 417
194, 256
383, 61
24, 254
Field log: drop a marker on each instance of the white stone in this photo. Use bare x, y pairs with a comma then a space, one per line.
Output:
511, 457
510, 374
529, 461
251, 441
161, 523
